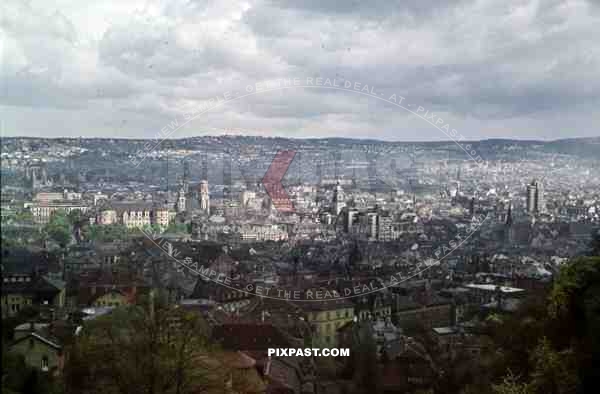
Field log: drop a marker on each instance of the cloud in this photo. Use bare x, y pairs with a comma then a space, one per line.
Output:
518, 68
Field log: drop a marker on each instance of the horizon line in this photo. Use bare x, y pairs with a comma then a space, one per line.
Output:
302, 138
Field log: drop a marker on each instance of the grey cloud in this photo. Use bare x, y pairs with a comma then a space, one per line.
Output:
494, 67
378, 9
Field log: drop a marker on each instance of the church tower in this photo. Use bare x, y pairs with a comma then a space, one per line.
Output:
204, 197
181, 200
338, 199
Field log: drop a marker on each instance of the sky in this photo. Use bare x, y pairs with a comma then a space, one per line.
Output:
488, 68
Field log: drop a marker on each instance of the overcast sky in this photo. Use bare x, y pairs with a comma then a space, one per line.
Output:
488, 68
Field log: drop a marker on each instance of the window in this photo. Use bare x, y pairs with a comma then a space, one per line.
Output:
45, 363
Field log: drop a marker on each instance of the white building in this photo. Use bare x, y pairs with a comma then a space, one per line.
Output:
204, 197
42, 211
66, 195
339, 202
107, 216
263, 232
134, 214
181, 200
248, 198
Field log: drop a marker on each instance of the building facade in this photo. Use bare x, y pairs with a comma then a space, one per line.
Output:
204, 197
535, 198
326, 318
42, 211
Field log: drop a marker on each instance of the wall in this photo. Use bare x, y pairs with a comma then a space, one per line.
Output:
34, 354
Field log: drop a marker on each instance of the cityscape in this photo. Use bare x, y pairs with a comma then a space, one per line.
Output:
396, 240
300, 197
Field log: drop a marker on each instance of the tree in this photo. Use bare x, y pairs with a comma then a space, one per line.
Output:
152, 229
554, 371
24, 216
554, 347
59, 228
176, 227
106, 233
77, 218
511, 385
138, 350
575, 312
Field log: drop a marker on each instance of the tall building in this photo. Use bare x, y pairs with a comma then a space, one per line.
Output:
508, 226
535, 197
351, 220
204, 197
227, 181
319, 173
509, 218
338, 199
372, 225
181, 200
186, 176
384, 228
531, 190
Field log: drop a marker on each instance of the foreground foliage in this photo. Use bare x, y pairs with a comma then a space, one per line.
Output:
135, 350
551, 345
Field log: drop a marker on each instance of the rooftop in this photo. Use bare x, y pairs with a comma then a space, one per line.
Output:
492, 287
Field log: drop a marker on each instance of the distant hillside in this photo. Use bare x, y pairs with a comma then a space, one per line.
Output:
582, 147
